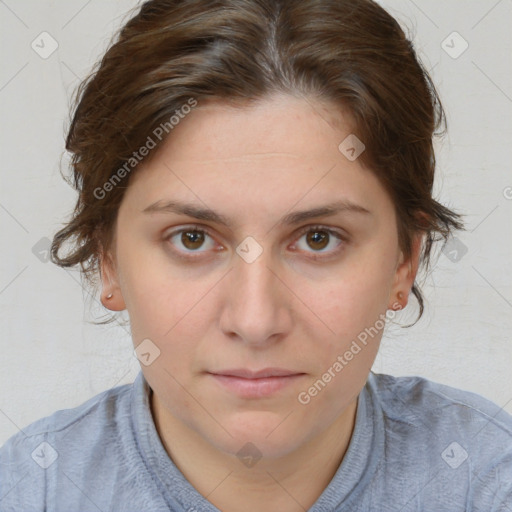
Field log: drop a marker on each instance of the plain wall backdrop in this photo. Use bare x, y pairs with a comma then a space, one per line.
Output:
53, 358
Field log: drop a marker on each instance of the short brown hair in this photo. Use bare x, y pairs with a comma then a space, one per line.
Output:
349, 53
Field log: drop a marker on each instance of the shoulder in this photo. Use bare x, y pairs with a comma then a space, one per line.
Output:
449, 441
418, 401
100, 406
26, 458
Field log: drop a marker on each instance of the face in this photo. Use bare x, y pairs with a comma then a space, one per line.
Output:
255, 285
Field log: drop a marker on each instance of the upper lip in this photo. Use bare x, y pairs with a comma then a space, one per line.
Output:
259, 374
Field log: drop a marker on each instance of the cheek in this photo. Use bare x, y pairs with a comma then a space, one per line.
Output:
356, 299
343, 359
353, 307
168, 307
165, 309
354, 329
157, 293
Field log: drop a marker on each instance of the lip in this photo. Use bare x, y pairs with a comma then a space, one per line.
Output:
245, 373
259, 384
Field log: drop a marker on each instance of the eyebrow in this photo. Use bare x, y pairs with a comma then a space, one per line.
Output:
296, 217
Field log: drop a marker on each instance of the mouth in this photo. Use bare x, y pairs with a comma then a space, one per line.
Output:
255, 384
245, 373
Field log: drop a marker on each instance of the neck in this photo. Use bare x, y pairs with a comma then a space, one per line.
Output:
291, 483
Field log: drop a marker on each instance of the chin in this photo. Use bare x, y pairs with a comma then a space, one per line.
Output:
266, 436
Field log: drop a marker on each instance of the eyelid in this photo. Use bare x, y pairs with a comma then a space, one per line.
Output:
333, 231
190, 255
337, 233
340, 234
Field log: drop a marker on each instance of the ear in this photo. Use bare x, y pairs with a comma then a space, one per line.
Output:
405, 274
111, 296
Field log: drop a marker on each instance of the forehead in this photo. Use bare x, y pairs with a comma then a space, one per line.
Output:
272, 154
280, 125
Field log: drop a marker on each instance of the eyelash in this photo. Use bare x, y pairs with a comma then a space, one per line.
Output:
307, 229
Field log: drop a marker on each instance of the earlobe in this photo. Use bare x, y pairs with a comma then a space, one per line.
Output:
405, 275
111, 296
113, 301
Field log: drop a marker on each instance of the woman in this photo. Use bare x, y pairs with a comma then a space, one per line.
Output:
255, 189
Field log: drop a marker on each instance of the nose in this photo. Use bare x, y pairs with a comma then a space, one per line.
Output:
257, 303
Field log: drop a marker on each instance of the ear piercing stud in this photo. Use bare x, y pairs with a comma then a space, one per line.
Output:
398, 307
109, 296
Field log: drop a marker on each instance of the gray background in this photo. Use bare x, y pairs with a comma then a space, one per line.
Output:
52, 358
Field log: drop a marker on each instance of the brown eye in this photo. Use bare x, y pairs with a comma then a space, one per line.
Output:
187, 241
192, 239
317, 239
320, 241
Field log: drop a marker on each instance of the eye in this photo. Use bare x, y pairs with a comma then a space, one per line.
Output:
321, 239
190, 239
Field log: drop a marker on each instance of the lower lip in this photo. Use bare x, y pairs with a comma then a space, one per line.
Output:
255, 388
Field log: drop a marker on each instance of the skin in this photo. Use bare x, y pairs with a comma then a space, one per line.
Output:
254, 165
